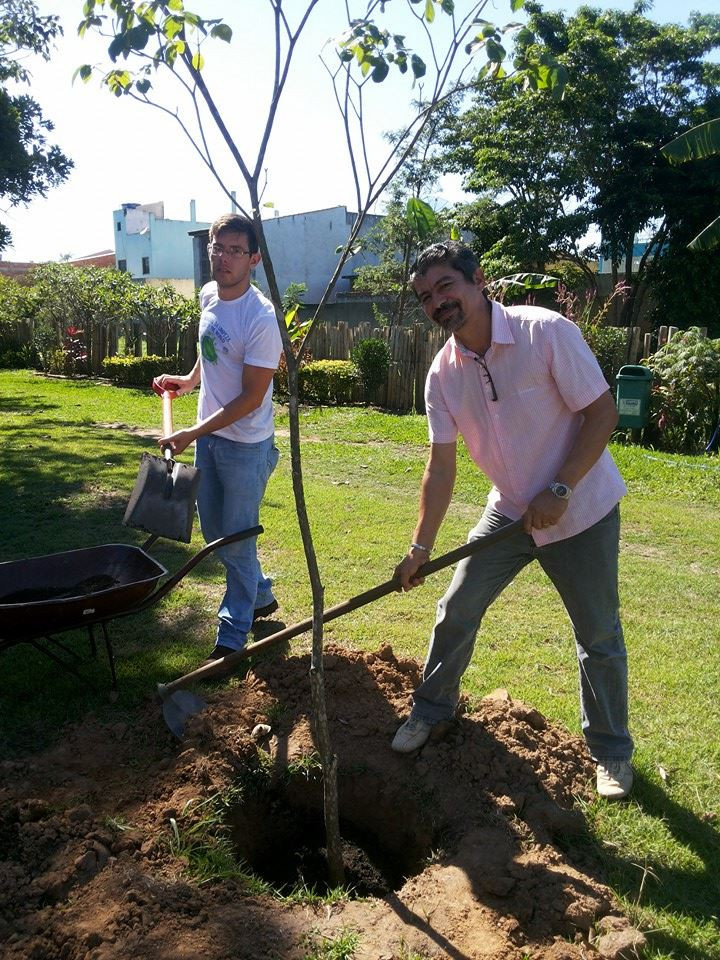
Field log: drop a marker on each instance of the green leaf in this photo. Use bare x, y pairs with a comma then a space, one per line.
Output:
495, 51
269, 203
142, 86
380, 70
524, 37
417, 65
708, 238
84, 72
448, 6
454, 233
198, 61
137, 38
516, 5
222, 31
695, 144
528, 281
421, 217
429, 11
117, 46
175, 4
172, 27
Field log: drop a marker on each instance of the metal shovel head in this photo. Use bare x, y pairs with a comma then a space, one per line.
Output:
178, 707
163, 503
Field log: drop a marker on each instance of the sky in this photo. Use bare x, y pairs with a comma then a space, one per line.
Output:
125, 152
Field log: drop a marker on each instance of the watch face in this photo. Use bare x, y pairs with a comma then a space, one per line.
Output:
560, 490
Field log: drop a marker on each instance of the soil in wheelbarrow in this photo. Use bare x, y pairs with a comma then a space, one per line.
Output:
121, 843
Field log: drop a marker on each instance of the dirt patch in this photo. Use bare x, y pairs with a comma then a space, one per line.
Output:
456, 848
153, 432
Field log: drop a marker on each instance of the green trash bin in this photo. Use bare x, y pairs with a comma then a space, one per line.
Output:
633, 384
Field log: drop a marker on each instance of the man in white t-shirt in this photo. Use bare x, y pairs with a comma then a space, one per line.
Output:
240, 348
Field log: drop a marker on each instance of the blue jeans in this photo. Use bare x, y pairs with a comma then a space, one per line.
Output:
232, 483
584, 570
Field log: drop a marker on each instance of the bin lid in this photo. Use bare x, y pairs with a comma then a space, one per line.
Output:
634, 371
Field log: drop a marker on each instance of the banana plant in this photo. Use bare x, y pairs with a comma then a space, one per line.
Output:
696, 144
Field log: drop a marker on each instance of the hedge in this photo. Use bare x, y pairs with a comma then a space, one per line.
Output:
327, 381
137, 371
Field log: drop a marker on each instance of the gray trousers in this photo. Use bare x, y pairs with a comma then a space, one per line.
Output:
584, 570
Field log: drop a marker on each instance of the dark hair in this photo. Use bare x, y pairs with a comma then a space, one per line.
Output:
457, 255
238, 224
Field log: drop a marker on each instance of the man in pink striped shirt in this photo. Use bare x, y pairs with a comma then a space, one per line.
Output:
523, 389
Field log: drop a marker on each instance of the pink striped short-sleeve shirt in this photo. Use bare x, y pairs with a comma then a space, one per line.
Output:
544, 375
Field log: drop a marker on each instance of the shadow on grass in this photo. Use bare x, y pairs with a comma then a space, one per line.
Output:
51, 502
681, 890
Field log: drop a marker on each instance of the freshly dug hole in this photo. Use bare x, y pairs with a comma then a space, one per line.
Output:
87, 872
280, 833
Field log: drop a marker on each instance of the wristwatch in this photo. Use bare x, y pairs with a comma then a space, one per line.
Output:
561, 490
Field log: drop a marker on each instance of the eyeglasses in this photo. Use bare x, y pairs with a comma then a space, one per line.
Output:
488, 376
217, 250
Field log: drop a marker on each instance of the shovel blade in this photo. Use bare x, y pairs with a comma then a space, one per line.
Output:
178, 707
161, 503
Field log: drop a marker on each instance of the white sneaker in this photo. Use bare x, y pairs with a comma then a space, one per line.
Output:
614, 779
411, 735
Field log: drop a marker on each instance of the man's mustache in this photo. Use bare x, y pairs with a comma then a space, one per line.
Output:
448, 305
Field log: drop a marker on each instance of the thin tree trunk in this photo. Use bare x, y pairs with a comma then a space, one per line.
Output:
328, 759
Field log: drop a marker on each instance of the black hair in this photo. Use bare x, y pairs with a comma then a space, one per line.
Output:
236, 223
452, 252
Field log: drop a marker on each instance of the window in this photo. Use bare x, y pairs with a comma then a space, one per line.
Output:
119, 226
122, 266
146, 265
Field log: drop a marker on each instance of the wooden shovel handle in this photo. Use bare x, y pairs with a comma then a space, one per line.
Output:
167, 413
167, 423
218, 668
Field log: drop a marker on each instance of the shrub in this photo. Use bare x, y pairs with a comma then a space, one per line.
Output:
609, 344
372, 359
685, 399
137, 371
280, 384
327, 381
19, 358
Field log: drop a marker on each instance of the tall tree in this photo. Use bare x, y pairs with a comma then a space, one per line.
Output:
409, 223
28, 165
164, 37
591, 159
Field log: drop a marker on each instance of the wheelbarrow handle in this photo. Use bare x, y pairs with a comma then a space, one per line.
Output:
192, 562
220, 667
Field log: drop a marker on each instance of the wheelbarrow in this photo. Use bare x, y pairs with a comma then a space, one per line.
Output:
43, 596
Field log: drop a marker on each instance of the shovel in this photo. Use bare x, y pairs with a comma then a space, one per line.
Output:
163, 498
179, 704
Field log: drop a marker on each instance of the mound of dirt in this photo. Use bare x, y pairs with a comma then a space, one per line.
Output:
455, 848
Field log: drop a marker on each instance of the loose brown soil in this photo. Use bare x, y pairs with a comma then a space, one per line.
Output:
456, 847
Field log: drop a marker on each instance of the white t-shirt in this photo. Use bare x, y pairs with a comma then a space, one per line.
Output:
233, 333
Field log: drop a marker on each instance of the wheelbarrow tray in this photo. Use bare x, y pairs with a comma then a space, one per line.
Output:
67, 579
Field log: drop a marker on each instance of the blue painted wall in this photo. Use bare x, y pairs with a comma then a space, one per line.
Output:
141, 231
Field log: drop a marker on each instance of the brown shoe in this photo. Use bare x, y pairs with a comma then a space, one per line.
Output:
265, 611
218, 652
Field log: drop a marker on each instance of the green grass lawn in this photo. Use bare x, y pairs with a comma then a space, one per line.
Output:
65, 477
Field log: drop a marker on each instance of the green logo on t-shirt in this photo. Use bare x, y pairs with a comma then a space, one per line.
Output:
207, 345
